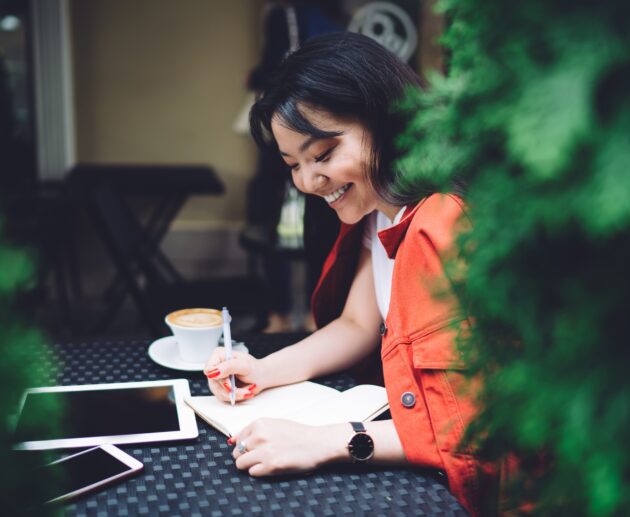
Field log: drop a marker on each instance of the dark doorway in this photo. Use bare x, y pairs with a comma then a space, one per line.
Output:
17, 142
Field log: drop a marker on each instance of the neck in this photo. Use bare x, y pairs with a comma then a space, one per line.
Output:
390, 211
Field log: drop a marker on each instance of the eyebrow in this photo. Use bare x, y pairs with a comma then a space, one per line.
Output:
304, 145
307, 143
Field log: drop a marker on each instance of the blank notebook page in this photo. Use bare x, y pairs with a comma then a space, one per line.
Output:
358, 404
273, 403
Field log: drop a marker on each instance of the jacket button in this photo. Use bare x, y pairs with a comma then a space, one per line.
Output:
383, 328
408, 399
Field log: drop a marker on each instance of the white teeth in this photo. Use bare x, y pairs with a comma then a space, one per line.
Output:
331, 198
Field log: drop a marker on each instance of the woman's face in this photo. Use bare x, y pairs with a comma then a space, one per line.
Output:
333, 168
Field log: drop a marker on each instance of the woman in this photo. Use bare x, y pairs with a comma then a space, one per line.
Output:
329, 109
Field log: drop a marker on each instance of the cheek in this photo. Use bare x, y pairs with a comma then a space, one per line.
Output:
352, 168
297, 181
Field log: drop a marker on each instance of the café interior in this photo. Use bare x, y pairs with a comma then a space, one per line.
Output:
142, 96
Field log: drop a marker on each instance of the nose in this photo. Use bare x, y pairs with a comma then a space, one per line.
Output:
313, 181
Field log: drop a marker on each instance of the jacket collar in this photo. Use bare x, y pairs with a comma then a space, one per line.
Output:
392, 237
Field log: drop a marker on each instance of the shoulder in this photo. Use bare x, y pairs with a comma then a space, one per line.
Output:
439, 218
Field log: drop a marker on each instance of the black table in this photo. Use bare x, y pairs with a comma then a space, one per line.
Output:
199, 478
132, 243
150, 179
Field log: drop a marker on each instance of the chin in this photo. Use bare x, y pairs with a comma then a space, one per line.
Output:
350, 218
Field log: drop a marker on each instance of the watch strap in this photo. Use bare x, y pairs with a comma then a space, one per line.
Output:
358, 427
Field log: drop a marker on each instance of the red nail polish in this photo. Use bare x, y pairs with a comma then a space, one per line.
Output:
212, 373
251, 388
230, 441
226, 385
248, 395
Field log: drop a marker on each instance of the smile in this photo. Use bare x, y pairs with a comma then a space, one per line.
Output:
334, 196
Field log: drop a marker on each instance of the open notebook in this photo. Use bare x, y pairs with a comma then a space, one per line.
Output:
305, 402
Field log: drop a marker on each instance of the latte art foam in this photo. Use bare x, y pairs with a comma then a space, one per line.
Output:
195, 318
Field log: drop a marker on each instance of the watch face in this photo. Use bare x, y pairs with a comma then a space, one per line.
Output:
361, 447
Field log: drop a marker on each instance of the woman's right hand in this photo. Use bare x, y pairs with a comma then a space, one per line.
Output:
246, 369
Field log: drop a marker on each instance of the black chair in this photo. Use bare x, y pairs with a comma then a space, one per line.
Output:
261, 243
156, 288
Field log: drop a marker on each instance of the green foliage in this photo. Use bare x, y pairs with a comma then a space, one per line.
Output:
20, 347
534, 116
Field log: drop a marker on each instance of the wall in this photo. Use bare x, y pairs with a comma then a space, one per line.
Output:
160, 81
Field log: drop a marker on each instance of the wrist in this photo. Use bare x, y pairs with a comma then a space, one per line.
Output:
265, 374
337, 443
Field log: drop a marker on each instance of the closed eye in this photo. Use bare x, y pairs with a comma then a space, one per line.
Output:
325, 155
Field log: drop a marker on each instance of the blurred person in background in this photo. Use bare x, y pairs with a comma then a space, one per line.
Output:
286, 25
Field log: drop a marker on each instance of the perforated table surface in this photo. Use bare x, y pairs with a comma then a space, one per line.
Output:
198, 477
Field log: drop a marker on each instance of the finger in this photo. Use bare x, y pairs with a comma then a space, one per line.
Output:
217, 357
222, 371
258, 470
247, 460
246, 392
235, 366
244, 436
236, 450
262, 468
218, 367
217, 389
242, 393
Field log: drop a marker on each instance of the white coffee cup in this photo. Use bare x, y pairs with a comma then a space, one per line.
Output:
197, 332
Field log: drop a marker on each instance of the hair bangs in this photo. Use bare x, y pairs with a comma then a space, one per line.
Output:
292, 118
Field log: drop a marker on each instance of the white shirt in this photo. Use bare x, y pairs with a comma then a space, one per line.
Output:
382, 265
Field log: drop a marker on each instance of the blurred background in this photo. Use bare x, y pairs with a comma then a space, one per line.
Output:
122, 84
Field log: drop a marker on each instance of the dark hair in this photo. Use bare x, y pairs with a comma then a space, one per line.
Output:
346, 75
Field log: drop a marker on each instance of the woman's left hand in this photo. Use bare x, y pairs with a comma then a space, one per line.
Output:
271, 446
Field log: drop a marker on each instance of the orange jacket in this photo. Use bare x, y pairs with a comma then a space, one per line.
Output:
420, 363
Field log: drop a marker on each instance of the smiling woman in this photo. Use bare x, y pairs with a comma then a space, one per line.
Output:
334, 167
331, 109
343, 82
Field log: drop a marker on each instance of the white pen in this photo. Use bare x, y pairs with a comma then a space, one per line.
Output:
227, 343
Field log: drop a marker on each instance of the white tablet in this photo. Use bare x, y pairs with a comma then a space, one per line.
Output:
96, 414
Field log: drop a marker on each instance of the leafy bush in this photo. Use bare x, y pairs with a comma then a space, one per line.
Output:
20, 347
534, 116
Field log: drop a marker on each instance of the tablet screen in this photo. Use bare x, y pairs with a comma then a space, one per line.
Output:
100, 413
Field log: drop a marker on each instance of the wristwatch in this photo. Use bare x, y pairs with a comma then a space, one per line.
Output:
361, 445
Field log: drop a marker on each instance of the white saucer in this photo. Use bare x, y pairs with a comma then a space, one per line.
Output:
164, 352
